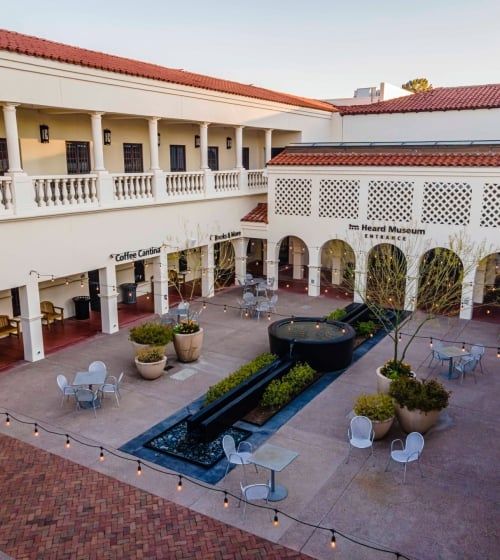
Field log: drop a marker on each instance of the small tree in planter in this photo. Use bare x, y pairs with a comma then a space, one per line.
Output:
418, 402
379, 408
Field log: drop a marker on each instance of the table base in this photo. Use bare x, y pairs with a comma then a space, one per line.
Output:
450, 375
279, 493
87, 405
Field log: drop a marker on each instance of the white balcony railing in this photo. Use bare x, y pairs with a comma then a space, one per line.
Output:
5, 194
132, 186
65, 190
226, 181
185, 184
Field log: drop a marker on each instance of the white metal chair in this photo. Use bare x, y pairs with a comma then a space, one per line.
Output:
410, 451
262, 307
272, 303
252, 492
67, 390
86, 398
261, 289
436, 355
240, 456
477, 350
360, 435
97, 366
466, 365
112, 385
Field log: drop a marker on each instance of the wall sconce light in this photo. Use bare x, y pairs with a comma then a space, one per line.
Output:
44, 134
229, 142
197, 141
159, 138
106, 133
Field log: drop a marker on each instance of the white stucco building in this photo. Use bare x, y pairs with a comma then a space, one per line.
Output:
108, 162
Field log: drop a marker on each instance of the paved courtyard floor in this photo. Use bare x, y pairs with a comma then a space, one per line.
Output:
66, 503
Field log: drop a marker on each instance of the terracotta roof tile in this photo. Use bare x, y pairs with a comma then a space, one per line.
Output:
34, 46
437, 99
389, 159
257, 215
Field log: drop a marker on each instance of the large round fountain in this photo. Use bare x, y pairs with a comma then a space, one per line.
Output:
325, 345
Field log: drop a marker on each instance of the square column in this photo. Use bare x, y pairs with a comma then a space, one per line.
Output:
207, 271
160, 283
31, 322
109, 299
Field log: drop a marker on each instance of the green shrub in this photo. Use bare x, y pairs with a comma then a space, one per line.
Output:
366, 328
238, 376
151, 333
419, 395
375, 406
281, 391
336, 315
392, 369
150, 355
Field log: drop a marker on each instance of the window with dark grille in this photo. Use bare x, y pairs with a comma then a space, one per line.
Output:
213, 158
4, 156
78, 157
177, 158
132, 158
245, 158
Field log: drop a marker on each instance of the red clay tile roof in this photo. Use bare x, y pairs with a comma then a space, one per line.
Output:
258, 214
388, 159
438, 99
34, 46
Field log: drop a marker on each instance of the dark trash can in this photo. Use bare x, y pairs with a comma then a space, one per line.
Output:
82, 307
128, 293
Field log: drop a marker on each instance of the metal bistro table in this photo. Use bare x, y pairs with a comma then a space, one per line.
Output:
275, 459
89, 378
451, 352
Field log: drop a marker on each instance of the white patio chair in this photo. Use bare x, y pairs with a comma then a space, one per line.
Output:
252, 492
272, 303
436, 355
477, 350
67, 390
97, 366
240, 456
112, 385
85, 398
409, 452
261, 289
360, 435
466, 365
262, 307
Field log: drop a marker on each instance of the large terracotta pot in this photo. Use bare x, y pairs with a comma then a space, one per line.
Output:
381, 428
416, 420
383, 382
151, 370
188, 346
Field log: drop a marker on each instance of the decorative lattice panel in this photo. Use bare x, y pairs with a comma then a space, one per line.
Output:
293, 197
338, 198
490, 208
390, 201
446, 203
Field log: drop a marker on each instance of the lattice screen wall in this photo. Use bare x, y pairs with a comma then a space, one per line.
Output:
338, 198
490, 208
446, 203
390, 201
293, 197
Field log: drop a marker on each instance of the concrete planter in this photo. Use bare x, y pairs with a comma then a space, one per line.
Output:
383, 382
188, 346
416, 420
151, 370
381, 428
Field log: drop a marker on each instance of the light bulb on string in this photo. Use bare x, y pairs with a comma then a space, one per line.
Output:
179, 484
101, 455
225, 308
276, 520
68, 442
333, 541
204, 304
269, 316
139, 468
35, 431
430, 342
7, 420
498, 352
463, 346
226, 501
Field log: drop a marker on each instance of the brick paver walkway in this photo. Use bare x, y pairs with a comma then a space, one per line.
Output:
53, 508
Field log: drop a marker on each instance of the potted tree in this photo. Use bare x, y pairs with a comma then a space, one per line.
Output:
418, 403
392, 369
150, 334
379, 408
188, 340
150, 362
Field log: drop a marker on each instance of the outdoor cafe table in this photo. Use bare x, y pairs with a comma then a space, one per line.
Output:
275, 459
89, 378
451, 352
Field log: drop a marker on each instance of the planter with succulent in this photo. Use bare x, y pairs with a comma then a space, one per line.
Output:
379, 408
188, 341
418, 403
392, 369
151, 334
151, 362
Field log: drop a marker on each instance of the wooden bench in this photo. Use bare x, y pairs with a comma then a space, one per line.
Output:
51, 312
9, 326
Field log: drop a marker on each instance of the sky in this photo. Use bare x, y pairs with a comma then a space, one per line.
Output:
322, 49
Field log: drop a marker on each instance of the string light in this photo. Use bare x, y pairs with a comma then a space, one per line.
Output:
276, 520
333, 541
68, 443
35, 431
463, 346
101, 455
7, 420
226, 501
139, 468
225, 308
179, 484
430, 343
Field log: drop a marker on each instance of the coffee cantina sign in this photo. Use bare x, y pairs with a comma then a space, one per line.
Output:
136, 255
389, 233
